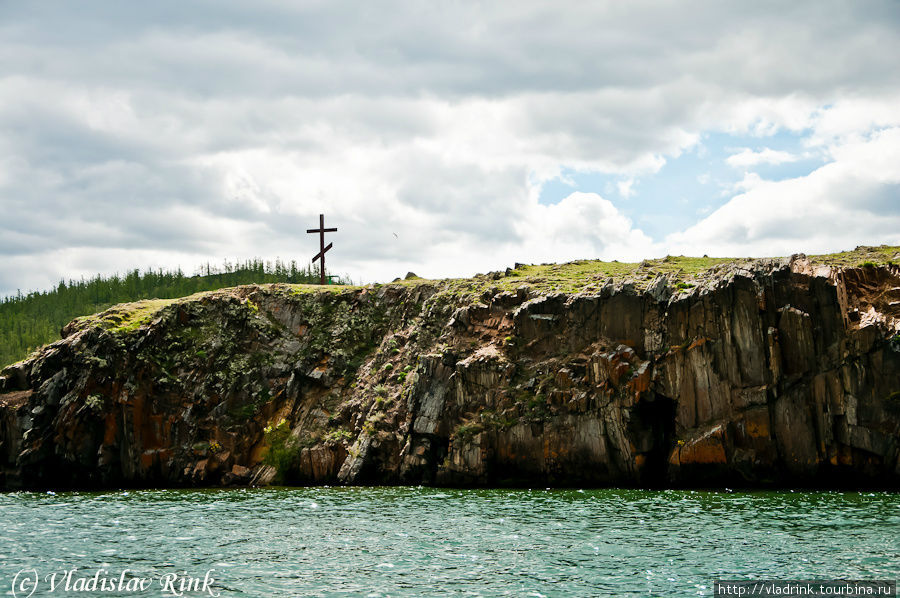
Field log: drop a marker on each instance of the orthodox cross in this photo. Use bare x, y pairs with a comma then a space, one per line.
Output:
322, 248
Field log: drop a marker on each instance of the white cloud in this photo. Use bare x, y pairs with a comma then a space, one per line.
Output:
849, 118
626, 188
581, 226
747, 157
853, 200
750, 181
184, 134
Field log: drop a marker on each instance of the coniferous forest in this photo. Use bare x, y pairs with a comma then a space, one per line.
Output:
29, 321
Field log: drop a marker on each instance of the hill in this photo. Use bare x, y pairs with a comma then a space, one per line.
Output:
29, 321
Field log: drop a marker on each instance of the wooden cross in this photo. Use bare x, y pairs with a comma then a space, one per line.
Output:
322, 248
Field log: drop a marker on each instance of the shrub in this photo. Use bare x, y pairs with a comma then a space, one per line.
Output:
243, 413
284, 451
537, 401
492, 419
468, 430
95, 403
338, 435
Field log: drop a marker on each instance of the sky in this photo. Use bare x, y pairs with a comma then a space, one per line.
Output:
443, 138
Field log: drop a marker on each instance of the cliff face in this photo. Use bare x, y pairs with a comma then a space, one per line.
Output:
749, 373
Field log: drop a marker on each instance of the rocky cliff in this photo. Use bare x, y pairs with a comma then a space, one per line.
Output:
670, 372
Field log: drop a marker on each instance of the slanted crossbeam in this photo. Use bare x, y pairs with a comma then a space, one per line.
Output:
322, 248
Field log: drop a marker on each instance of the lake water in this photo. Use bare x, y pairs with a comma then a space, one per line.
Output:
439, 542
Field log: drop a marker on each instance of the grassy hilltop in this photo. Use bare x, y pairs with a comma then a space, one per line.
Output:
29, 321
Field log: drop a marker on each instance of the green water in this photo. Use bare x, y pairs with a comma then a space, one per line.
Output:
436, 542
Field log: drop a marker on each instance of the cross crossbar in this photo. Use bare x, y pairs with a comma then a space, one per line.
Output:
322, 248
322, 253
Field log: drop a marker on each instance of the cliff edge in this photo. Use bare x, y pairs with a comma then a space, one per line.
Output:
672, 372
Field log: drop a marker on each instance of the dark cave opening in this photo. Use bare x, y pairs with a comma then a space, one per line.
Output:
653, 429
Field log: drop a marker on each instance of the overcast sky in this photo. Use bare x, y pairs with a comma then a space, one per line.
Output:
446, 138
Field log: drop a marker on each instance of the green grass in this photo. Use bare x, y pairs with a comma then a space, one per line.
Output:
305, 289
126, 317
589, 275
578, 276
860, 257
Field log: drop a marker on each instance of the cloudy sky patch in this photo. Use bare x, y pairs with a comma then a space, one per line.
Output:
443, 138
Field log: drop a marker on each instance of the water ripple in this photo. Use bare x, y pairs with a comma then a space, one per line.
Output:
439, 542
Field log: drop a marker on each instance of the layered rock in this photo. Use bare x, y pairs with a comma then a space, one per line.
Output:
766, 372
